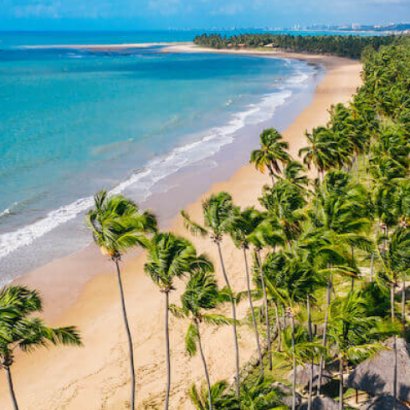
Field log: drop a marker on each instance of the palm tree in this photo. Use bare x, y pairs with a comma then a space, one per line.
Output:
242, 227
297, 349
117, 225
266, 234
294, 173
201, 294
219, 213
352, 332
221, 397
284, 203
272, 153
322, 151
171, 257
20, 330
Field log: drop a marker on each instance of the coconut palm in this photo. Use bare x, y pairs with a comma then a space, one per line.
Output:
396, 263
171, 257
297, 349
219, 213
284, 203
266, 234
201, 295
242, 227
353, 333
260, 394
294, 173
272, 153
222, 399
19, 330
328, 255
323, 150
117, 225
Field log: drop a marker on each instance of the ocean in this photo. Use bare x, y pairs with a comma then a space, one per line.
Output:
74, 121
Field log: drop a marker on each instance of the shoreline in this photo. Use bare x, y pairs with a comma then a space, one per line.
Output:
102, 377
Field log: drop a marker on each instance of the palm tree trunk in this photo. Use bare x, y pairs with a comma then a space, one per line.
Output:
11, 388
394, 346
255, 325
371, 266
324, 341
309, 407
340, 384
279, 327
285, 324
235, 332
266, 308
292, 321
208, 382
168, 352
352, 285
128, 332
403, 304
395, 372
392, 301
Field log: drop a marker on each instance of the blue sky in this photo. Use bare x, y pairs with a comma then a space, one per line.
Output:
157, 14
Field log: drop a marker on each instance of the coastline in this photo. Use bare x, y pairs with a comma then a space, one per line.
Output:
100, 380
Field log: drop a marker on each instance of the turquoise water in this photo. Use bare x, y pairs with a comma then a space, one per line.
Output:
75, 121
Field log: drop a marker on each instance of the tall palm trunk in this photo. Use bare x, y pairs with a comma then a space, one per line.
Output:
208, 382
324, 340
233, 304
128, 332
279, 327
352, 284
266, 308
403, 304
394, 347
309, 406
395, 372
255, 325
292, 322
340, 383
11, 388
371, 266
392, 301
168, 352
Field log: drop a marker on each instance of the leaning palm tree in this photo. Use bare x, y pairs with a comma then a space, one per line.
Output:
20, 330
117, 225
171, 257
201, 294
219, 213
272, 153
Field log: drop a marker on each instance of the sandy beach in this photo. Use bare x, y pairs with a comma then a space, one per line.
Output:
82, 290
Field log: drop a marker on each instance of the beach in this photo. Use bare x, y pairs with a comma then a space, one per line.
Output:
82, 290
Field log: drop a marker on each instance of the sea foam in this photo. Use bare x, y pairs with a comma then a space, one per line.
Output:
155, 170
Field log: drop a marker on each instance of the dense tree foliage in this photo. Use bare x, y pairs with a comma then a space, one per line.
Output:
344, 46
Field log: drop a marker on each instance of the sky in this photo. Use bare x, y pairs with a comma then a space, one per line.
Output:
181, 14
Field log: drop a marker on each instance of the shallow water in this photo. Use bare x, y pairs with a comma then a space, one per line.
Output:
74, 121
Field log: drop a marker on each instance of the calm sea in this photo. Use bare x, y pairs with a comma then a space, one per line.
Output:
75, 121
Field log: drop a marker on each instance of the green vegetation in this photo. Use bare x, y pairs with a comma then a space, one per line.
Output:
117, 225
328, 255
19, 330
343, 46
